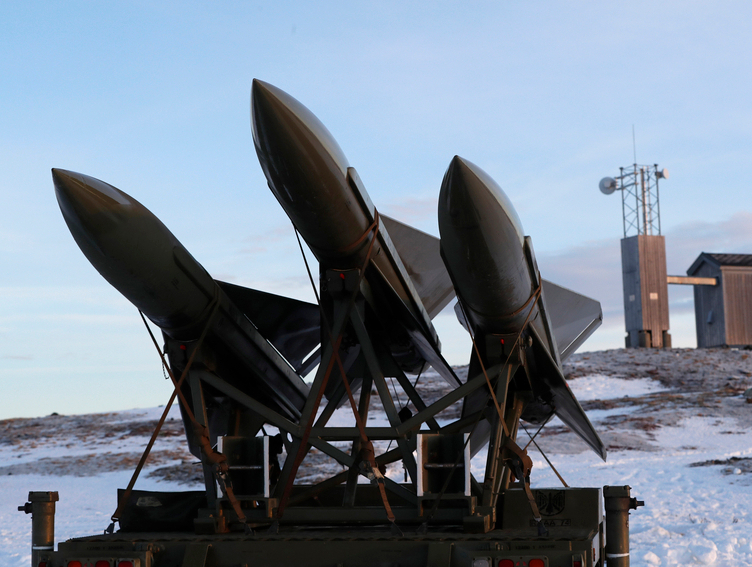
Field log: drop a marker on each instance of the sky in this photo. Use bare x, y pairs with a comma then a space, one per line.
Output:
153, 98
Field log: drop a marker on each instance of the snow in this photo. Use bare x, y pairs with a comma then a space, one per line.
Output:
693, 515
85, 507
599, 387
85, 459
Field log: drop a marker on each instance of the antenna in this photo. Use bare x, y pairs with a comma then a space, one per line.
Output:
634, 145
641, 209
643, 253
607, 185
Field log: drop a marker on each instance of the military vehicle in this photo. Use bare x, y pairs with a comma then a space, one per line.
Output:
238, 358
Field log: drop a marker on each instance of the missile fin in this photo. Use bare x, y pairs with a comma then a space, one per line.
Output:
461, 317
390, 251
421, 255
292, 326
573, 317
551, 385
433, 356
426, 345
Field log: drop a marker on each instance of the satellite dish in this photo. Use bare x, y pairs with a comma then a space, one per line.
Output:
662, 174
607, 185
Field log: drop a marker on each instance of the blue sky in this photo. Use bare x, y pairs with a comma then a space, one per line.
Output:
154, 99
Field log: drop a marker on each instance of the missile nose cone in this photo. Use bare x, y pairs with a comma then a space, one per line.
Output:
456, 204
306, 171
482, 244
285, 131
89, 205
468, 194
131, 248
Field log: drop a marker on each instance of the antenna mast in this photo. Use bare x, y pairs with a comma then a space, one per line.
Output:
643, 253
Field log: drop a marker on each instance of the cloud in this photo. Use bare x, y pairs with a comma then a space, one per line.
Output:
413, 209
685, 242
282, 232
592, 269
253, 250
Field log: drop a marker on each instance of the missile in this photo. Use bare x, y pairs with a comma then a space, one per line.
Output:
483, 246
495, 276
138, 255
327, 203
308, 173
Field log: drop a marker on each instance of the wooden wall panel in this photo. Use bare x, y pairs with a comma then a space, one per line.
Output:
654, 286
643, 260
630, 271
709, 299
737, 299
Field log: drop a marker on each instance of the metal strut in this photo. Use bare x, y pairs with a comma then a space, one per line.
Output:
345, 313
217, 461
502, 446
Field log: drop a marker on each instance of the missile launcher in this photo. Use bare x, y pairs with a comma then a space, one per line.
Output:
242, 355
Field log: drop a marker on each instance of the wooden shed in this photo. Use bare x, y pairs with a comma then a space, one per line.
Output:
723, 312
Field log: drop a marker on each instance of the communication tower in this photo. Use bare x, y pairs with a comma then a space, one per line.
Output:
643, 255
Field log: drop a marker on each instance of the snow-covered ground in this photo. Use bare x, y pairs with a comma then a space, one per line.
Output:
676, 424
85, 458
693, 515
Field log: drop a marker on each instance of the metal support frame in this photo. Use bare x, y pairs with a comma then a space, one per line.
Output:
349, 318
640, 199
494, 462
352, 477
199, 410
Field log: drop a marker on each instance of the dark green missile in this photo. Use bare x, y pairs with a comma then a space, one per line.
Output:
327, 203
307, 172
482, 243
495, 276
139, 256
